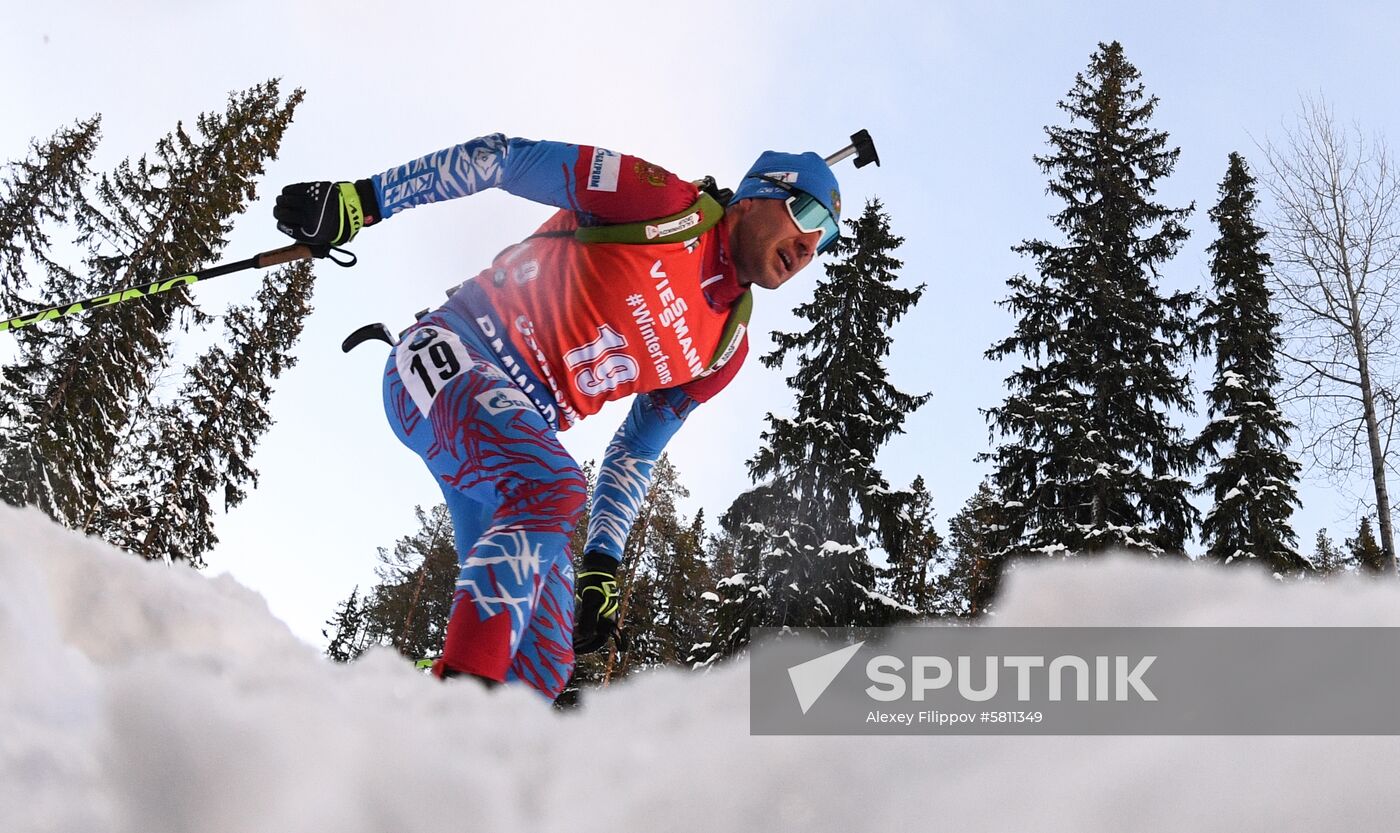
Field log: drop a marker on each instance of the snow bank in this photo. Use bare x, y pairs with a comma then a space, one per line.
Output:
135, 698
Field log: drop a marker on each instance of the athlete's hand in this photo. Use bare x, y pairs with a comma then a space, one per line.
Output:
595, 603
326, 213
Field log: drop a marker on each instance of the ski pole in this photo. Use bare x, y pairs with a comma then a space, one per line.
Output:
287, 254
862, 146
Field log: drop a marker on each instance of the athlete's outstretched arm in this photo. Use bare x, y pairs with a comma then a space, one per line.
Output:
599, 183
625, 475
599, 186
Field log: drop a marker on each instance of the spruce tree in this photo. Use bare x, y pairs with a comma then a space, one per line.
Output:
346, 637
1253, 482
1327, 557
916, 553
1365, 552
81, 385
804, 532
722, 558
721, 553
682, 577
752, 556
36, 194
978, 541
202, 443
1091, 457
409, 607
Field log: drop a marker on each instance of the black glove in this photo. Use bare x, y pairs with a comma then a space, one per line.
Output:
326, 213
595, 603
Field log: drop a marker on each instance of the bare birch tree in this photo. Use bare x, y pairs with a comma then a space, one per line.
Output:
1334, 236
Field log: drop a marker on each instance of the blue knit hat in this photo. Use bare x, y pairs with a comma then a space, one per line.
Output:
804, 171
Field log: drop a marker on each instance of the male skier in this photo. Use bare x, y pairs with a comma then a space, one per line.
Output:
636, 286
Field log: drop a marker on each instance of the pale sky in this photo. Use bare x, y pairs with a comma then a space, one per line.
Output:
955, 95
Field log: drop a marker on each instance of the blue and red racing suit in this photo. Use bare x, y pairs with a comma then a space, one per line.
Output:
537, 341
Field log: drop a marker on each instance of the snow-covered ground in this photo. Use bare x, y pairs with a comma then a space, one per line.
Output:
135, 698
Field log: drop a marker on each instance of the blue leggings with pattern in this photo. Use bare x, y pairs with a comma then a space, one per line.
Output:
515, 496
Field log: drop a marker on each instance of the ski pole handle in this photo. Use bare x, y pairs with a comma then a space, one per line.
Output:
286, 254
302, 251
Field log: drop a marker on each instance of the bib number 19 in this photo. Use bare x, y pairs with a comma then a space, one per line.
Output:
428, 362
599, 366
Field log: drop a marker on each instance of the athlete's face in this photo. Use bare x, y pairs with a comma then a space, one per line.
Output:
767, 246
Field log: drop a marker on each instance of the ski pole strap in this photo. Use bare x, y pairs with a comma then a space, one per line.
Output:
287, 254
347, 258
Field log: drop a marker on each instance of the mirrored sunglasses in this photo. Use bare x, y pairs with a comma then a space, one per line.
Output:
809, 214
